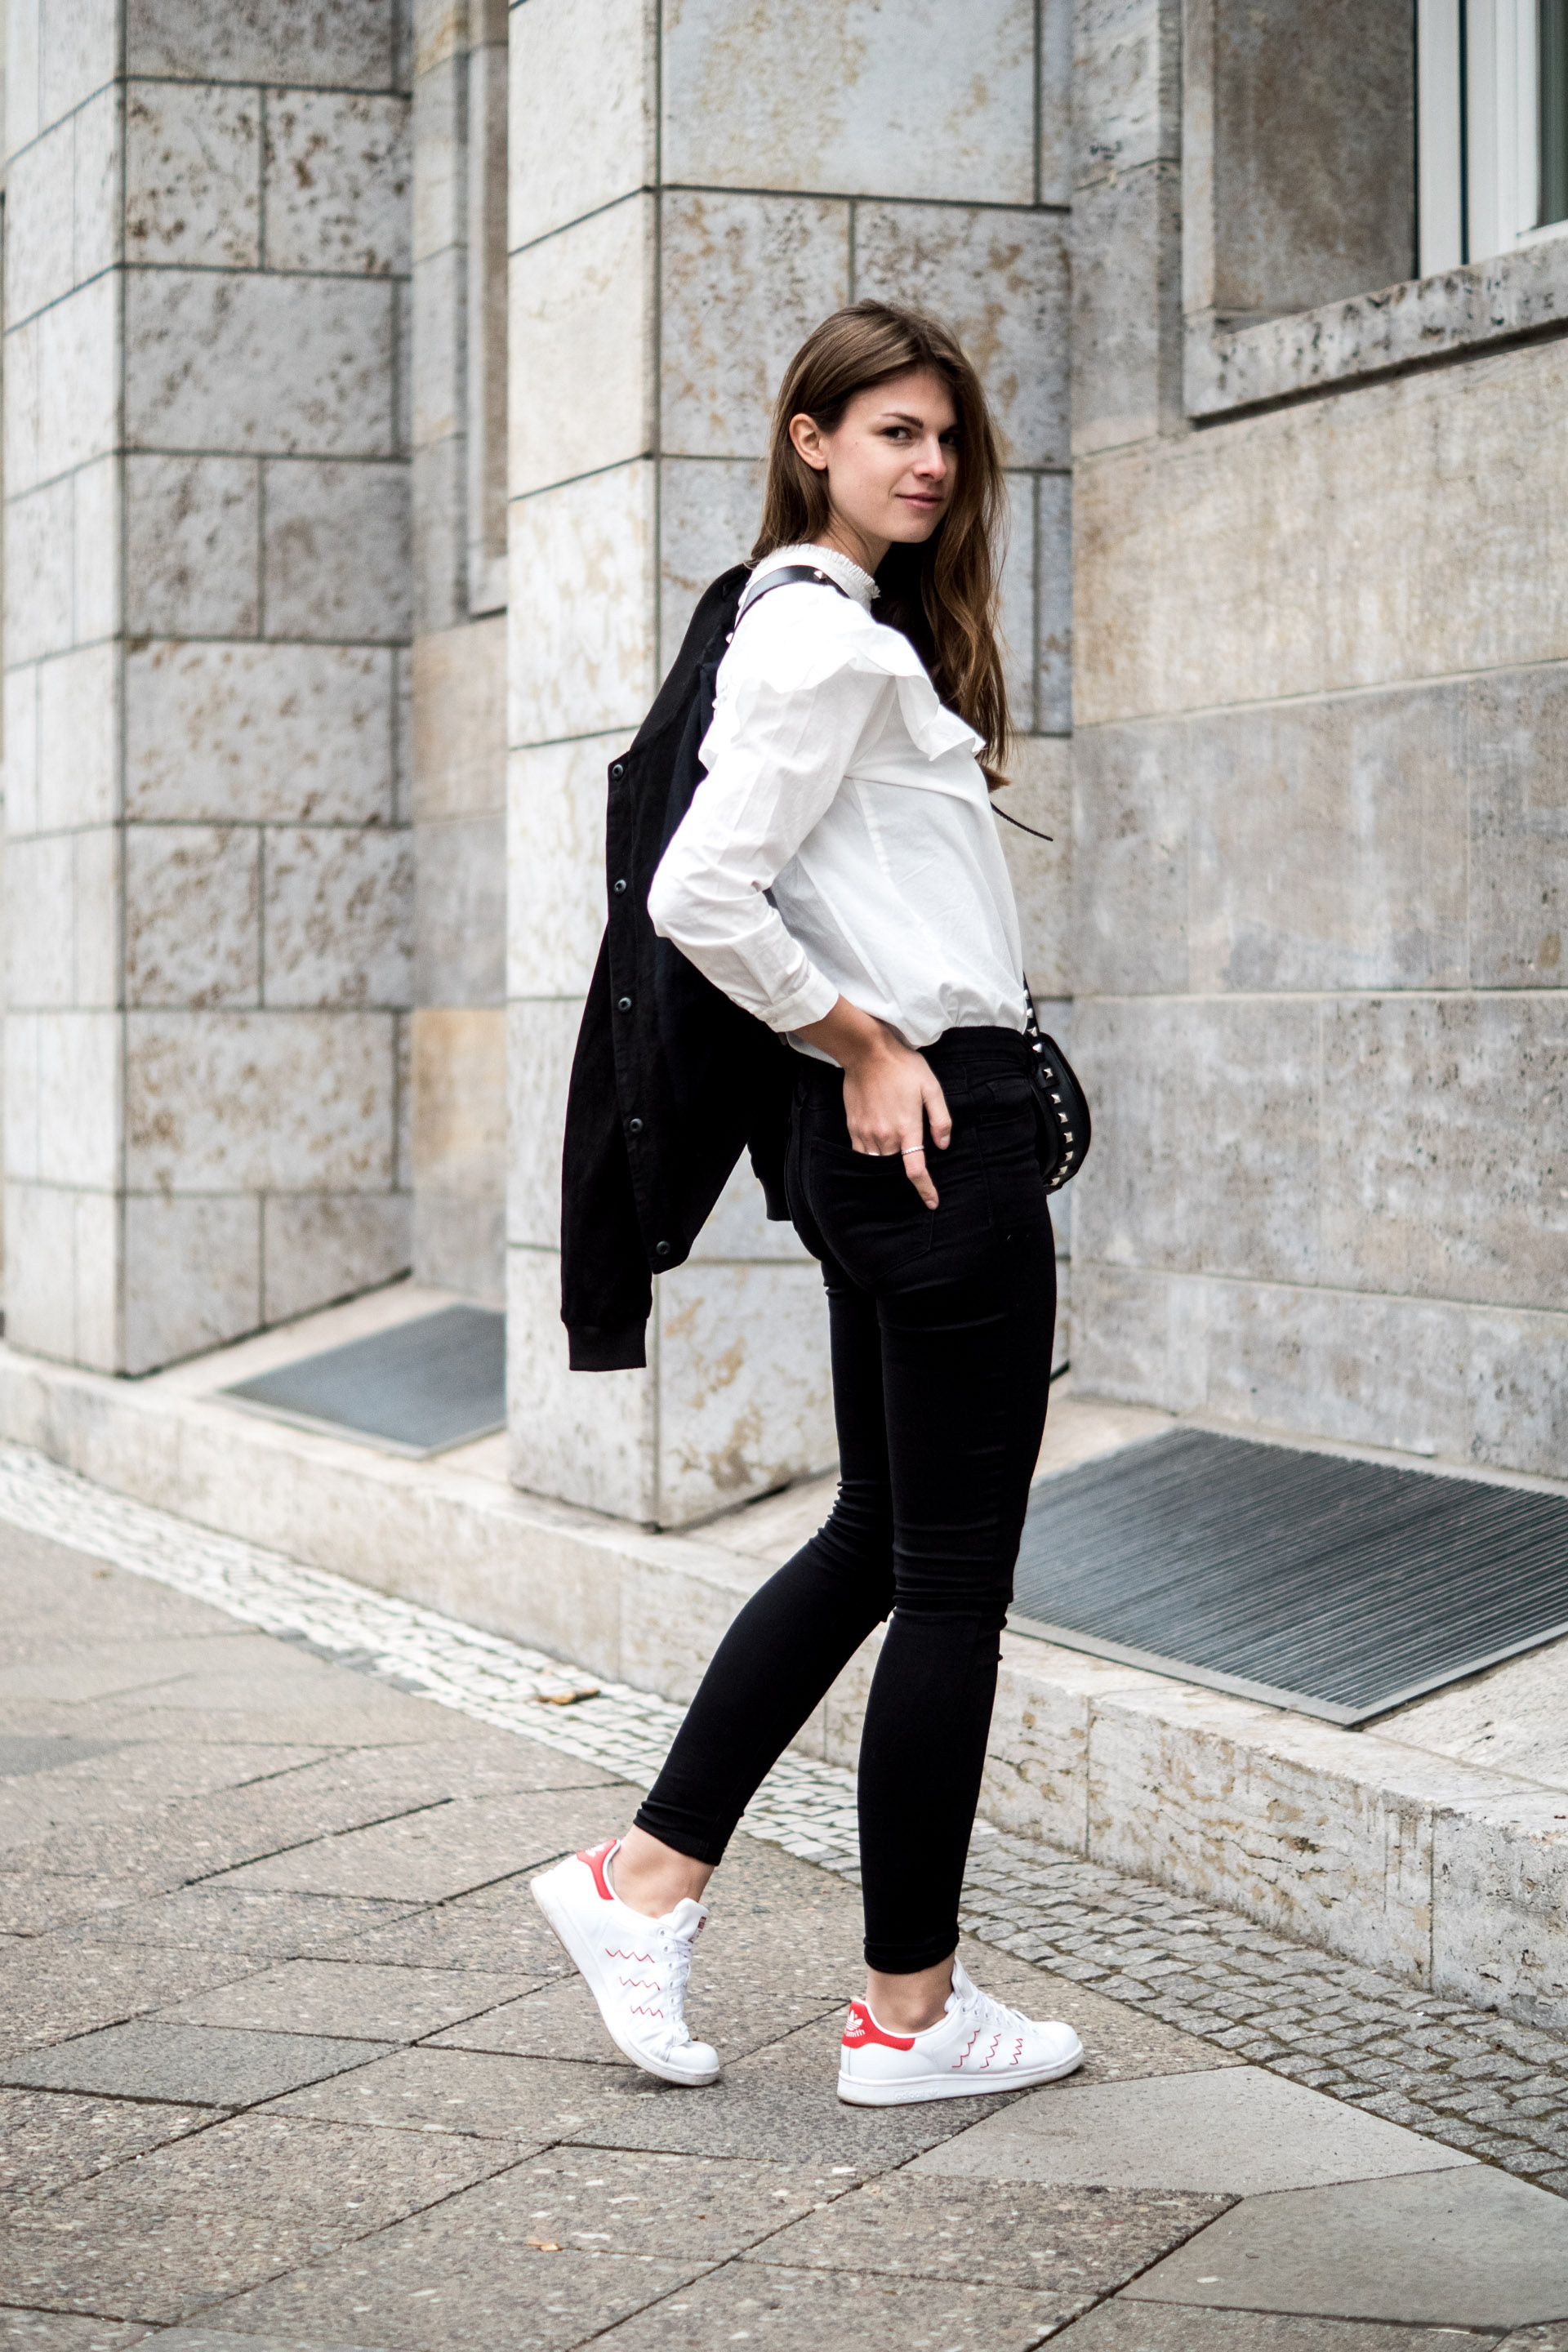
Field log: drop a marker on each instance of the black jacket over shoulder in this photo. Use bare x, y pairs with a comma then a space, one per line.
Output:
672, 1081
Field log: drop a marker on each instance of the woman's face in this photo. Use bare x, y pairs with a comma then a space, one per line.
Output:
892, 463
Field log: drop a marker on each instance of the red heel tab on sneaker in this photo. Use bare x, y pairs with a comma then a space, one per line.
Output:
862, 2030
597, 1861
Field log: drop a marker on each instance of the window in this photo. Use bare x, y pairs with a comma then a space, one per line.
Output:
1494, 127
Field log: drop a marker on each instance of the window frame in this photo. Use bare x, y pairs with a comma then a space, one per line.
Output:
1478, 131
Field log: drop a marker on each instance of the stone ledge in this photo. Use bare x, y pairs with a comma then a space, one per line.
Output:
1449, 1874
1229, 366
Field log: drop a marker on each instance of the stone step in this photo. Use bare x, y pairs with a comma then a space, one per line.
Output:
1433, 1846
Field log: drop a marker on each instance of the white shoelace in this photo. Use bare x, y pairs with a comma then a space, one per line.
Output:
993, 2013
675, 1952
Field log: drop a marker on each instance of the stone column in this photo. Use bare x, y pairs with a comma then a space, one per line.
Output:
206, 566
460, 645
692, 189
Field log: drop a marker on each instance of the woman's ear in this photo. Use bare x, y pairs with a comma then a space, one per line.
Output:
806, 435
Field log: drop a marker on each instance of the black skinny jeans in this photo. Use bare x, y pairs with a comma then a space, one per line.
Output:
941, 1325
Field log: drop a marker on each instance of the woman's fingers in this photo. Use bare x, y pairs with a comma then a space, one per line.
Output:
886, 1110
914, 1161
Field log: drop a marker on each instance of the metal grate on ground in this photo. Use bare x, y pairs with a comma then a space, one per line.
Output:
1341, 1589
416, 1388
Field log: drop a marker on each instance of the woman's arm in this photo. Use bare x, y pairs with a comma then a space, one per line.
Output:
779, 757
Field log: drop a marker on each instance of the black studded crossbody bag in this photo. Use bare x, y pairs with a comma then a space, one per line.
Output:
1060, 1104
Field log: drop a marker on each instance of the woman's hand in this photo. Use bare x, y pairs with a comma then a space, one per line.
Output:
890, 1092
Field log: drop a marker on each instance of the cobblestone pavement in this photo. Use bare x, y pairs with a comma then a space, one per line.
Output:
287, 2057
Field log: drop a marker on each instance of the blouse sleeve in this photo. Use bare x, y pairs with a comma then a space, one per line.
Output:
776, 767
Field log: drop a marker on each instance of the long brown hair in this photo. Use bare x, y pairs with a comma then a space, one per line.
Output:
942, 594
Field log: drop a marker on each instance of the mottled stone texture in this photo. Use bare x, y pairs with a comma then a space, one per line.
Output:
1321, 685
661, 277
457, 1069
209, 898
1299, 158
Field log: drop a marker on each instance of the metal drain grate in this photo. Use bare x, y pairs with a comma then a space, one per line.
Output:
418, 1388
1341, 1589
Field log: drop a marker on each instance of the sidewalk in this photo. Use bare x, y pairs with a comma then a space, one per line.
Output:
1431, 1845
290, 2062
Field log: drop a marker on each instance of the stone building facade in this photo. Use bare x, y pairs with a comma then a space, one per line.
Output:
383, 379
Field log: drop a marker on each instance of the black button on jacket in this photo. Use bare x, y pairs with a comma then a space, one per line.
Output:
672, 1081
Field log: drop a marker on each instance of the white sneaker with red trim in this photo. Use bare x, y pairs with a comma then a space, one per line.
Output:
636, 1967
975, 2046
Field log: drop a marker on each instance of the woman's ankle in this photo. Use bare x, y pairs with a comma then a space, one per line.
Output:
910, 2003
651, 1877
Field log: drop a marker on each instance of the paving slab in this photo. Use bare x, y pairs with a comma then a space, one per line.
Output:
1237, 2130
59, 2331
133, 1782
455, 1756
329, 2182
161, 2268
356, 1998
203, 2066
1071, 2246
529, 2099
32, 1903
493, 1938
42, 1808
48, 2137
201, 2338
444, 1850
426, 1772
260, 1921
781, 2102
24, 1755
161, 1768
562, 2020
110, 1668
195, 1837
59, 1585
687, 2209
345, 1720
49, 1993
408, 2291
1472, 2248
764, 1900
778, 2310
1124, 2326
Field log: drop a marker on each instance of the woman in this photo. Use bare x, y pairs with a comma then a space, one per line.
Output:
838, 876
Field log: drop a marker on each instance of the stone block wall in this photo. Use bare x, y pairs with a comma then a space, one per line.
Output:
458, 1063
692, 189
208, 887
1320, 817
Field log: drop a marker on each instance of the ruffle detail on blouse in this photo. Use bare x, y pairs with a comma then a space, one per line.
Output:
851, 642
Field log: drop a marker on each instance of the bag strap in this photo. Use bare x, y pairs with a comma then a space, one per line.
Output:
786, 576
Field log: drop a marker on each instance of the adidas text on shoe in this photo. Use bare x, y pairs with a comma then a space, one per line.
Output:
975, 2046
635, 1967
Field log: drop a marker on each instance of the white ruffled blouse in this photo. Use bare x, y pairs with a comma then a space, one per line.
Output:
842, 842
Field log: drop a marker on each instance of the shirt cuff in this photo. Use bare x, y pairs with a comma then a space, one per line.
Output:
813, 999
